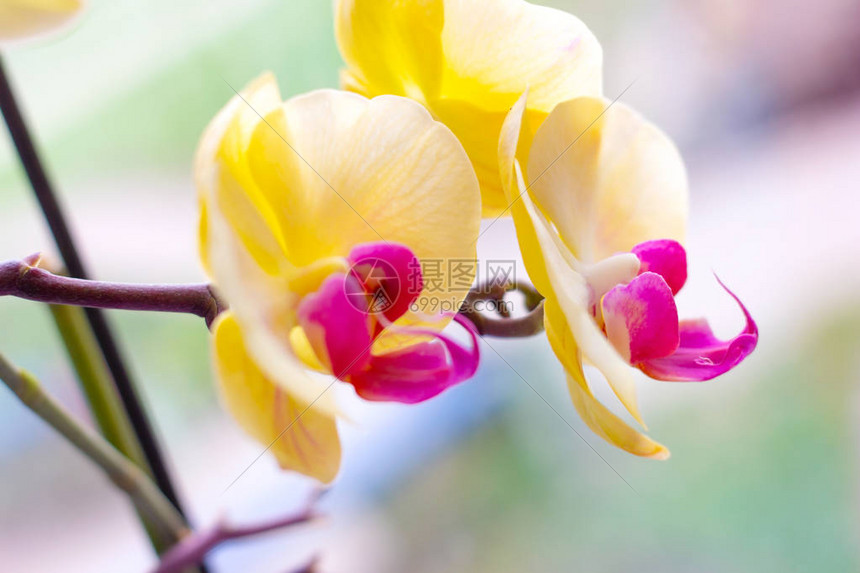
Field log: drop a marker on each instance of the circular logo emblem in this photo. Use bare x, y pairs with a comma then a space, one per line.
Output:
380, 284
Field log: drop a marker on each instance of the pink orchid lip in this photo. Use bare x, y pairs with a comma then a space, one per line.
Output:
641, 319
390, 274
341, 326
421, 371
665, 257
336, 326
701, 355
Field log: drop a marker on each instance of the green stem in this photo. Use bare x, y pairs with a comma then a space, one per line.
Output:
95, 381
147, 498
102, 398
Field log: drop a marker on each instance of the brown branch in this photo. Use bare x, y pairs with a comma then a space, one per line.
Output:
25, 279
507, 326
191, 550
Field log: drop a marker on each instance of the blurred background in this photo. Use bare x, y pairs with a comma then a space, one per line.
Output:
763, 97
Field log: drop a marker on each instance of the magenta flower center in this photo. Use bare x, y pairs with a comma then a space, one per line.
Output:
640, 319
346, 317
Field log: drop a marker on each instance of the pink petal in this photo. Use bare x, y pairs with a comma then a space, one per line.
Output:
702, 356
421, 371
391, 274
641, 318
336, 322
666, 258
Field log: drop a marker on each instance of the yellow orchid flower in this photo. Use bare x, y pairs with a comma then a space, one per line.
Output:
468, 61
20, 19
599, 200
317, 214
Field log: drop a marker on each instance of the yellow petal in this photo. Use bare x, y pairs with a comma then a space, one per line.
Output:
359, 170
609, 426
303, 438
308, 279
21, 19
203, 236
222, 177
240, 240
606, 178
514, 142
475, 128
264, 307
570, 291
351, 83
257, 98
477, 58
391, 46
292, 156
596, 416
303, 349
495, 50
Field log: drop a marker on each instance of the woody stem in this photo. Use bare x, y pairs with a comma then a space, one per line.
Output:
23, 280
475, 309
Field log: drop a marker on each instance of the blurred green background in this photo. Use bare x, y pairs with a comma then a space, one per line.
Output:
763, 100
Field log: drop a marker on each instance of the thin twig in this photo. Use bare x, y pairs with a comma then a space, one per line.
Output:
24, 279
124, 474
194, 547
507, 326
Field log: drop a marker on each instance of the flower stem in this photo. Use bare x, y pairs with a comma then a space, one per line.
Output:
147, 498
94, 378
24, 280
102, 398
194, 547
56, 220
523, 326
